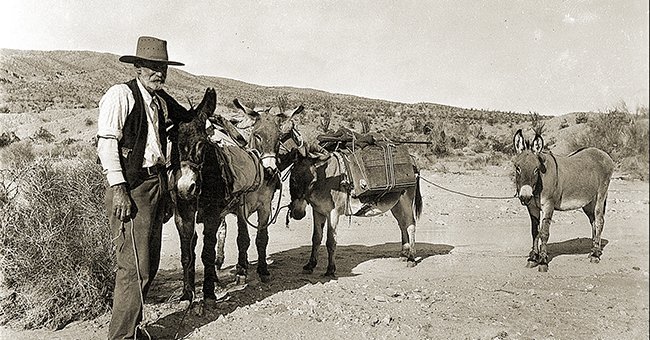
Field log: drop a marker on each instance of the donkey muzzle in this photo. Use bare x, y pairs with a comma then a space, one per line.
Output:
269, 161
525, 194
187, 184
297, 209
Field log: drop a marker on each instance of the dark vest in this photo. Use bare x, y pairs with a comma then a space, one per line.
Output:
134, 138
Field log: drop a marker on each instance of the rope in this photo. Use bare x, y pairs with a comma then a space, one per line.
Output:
467, 195
274, 217
180, 324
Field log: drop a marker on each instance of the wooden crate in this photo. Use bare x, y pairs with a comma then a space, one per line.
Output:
375, 170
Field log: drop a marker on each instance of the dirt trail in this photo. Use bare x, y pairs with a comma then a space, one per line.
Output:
470, 282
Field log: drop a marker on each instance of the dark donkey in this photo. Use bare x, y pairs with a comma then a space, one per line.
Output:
202, 194
316, 180
546, 182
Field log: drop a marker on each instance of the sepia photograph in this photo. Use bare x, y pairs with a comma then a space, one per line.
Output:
324, 169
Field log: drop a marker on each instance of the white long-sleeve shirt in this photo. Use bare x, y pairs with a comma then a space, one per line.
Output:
114, 107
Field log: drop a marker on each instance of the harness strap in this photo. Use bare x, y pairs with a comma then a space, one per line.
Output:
557, 170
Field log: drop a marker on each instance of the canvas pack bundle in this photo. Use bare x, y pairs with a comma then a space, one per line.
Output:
379, 169
243, 169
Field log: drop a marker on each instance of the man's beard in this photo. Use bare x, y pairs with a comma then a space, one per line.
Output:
157, 85
153, 86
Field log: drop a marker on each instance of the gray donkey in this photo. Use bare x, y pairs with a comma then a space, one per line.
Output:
546, 182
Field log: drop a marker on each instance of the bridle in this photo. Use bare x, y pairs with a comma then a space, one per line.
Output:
196, 167
294, 135
537, 189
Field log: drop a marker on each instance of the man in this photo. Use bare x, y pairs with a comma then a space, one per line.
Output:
135, 133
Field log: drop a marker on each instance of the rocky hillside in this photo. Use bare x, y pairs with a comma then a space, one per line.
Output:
39, 80
58, 91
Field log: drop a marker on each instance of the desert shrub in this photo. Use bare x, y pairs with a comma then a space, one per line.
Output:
18, 155
581, 118
8, 138
564, 124
635, 167
364, 120
621, 134
498, 144
458, 142
282, 101
56, 254
478, 147
325, 120
43, 135
439, 146
617, 133
536, 123
476, 131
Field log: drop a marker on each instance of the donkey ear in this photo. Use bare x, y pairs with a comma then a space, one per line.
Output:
291, 113
288, 113
211, 95
519, 141
245, 109
208, 103
538, 144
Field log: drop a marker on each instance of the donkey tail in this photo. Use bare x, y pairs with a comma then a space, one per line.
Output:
418, 197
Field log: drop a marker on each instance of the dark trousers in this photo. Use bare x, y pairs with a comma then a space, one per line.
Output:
139, 238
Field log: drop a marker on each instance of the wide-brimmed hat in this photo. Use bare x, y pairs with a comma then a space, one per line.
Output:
150, 49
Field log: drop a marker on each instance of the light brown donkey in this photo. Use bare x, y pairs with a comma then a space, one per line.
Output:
546, 182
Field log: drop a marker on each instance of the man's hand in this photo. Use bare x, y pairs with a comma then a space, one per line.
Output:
121, 202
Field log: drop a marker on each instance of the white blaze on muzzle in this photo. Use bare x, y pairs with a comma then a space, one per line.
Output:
526, 191
187, 182
269, 161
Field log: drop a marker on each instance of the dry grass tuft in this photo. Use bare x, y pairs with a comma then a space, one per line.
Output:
56, 258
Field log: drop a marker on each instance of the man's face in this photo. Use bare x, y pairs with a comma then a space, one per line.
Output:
151, 74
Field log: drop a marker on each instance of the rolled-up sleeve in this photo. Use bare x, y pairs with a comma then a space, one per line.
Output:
114, 106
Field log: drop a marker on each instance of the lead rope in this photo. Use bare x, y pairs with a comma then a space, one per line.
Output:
467, 195
278, 208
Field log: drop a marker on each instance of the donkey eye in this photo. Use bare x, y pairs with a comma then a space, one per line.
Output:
517, 170
536, 171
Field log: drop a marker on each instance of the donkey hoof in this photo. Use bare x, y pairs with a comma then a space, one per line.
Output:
208, 304
240, 280
531, 264
543, 268
265, 278
594, 259
403, 258
330, 275
187, 296
307, 269
208, 292
209, 296
410, 264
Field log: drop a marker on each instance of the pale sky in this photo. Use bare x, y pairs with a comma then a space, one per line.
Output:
550, 57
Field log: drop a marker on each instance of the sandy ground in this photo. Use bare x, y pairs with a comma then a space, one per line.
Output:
470, 281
